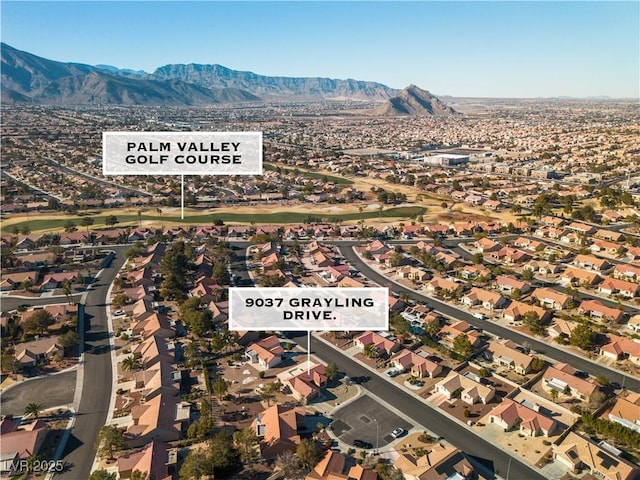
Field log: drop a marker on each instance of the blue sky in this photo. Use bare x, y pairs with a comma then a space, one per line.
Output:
482, 49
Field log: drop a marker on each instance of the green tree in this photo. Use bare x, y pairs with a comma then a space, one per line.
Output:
69, 339
527, 274
371, 351
111, 440
111, 220
537, 364
86, 222
395, 259
38, 322
462, 346
582, 337
196, 466
331, 371
102, 474
308, 452
139, 475
225, 456
531, 320
69, 226
120, 300
246, 440
220, 388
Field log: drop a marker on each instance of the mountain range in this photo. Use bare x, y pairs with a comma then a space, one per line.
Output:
414, 101
27, 78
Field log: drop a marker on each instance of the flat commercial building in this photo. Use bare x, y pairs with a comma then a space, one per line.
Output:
446, 159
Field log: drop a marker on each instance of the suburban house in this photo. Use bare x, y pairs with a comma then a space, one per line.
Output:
611, 286
489, 300
155, 324
516, 311
14, 281
578, 453
474, 271
506, 355
265, 354
278, 429
156, 349
439, 285
382, 344
413, 273
609, 235
634, 324
582, 228
627, 272
161, 418
417, 365
509, 284
549, 298
619, 348
576, 276
28, 354
605, 246
439, 462
597, 311
448, 333
591, 262
626, 411
19, 442
156, 460
562, 378
333, 466
510, 414
53, 280
471, 391
485, 245
305, 381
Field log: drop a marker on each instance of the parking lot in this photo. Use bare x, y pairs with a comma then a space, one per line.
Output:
367, 420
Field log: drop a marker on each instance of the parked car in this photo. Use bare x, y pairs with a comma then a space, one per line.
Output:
118, 313
393, 373
362, 444
397, 432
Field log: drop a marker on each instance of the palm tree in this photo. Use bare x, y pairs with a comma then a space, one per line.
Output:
33, 408
371, 351
131, 364
139, 218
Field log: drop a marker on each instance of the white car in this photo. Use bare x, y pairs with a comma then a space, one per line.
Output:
479, 316
118, 313
397, 432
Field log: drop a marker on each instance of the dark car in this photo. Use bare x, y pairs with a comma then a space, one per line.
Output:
358, 380
362, 444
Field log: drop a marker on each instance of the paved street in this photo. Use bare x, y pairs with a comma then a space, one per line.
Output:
423, 414
50, 391
541, 347
96, 392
